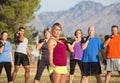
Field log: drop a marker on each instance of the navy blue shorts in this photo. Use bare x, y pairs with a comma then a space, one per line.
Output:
21, 58
90, 68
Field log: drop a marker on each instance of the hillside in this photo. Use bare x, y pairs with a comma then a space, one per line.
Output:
82, 15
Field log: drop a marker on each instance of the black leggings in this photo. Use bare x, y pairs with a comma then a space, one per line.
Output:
73, 64
40, 68
8, 68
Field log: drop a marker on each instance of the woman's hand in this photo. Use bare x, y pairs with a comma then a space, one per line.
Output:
52, 66
12, 63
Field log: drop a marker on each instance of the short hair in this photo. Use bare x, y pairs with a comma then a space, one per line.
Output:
4, 32
91, 27
78, 30
45, 30
21, 28
114, 27
57, 24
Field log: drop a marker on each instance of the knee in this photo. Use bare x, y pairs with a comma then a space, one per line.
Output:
84, 77
98, 77
16, 70
27, 70
109, 73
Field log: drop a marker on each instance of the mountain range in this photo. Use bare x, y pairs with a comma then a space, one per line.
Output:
81, 16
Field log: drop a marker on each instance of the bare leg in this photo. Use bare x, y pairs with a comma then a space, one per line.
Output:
84, 79
27, 73
108, 75
63, 78
98, 78
71, 78
10, 82
56, 77
36, 81
15, 73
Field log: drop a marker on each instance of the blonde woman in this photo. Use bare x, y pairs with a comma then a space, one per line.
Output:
57, 55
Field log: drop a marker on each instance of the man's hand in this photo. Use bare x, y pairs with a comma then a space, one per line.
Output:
31, 59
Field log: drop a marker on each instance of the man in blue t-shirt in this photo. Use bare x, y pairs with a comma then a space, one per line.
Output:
90, 60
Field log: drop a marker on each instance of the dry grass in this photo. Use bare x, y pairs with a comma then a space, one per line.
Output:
45, 78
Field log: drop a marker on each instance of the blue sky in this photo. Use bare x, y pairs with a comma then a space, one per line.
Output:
57, 5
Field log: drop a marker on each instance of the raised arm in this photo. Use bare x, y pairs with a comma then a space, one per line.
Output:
2, 46
1, 49
39, 45
106, 42
84, 45
70, 47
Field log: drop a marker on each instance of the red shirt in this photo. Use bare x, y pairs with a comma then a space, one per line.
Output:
59, 55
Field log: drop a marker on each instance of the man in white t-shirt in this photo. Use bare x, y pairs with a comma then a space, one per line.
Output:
21, 55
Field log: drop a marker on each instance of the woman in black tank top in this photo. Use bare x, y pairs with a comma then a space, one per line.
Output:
44, 61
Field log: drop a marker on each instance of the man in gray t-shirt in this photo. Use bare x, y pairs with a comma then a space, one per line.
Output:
21, 55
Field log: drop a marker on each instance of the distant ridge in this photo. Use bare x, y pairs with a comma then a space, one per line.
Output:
82, 15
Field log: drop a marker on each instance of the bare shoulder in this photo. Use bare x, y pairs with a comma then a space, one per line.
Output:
52, 42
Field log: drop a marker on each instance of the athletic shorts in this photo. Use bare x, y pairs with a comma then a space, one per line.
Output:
21, 58
90, 68
59, 70
113, 65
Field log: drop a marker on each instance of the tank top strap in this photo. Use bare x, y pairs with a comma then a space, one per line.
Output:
57, 40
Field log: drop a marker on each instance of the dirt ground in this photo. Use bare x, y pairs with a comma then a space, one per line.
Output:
45, 77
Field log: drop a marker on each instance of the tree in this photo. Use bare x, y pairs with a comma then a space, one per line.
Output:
16, 13
119, 32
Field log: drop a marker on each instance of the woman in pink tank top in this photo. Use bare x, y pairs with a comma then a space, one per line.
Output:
57, 55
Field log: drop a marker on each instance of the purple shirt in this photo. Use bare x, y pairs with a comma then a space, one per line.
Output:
78, 52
